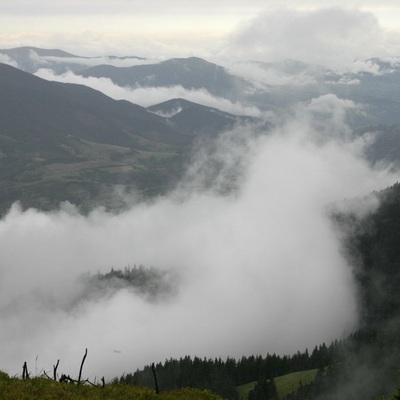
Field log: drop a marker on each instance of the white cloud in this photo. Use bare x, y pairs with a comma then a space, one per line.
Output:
264, 76
150, 96
100, 60
333, 37
4, 59
147, 96
260, 270
327, 115
155, 28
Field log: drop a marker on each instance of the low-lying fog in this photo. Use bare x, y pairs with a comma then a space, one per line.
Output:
255, 269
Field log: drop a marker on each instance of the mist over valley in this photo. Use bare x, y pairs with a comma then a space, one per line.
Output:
157, 208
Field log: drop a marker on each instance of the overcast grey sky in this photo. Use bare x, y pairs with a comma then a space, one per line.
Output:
176, 27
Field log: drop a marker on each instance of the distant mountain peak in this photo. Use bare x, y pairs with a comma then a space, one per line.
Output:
25, 50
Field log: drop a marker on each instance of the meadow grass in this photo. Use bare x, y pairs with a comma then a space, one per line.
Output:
289, 383
285, 384
45, 389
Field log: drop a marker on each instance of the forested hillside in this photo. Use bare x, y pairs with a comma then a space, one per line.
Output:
222, 376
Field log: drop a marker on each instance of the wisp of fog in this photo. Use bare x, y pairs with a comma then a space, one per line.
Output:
256, 263
148, 96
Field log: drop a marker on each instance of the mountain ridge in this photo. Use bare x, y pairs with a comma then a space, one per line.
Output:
192, 73
80, 142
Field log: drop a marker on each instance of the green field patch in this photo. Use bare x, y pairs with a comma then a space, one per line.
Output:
243, 390
144, 144
289, 383
285, 384
157, 154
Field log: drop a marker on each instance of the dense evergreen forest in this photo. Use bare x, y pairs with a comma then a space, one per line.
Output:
364, 365
222, 376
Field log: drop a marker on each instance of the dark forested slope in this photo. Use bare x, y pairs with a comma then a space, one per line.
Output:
69, 142
369, 363
373, 247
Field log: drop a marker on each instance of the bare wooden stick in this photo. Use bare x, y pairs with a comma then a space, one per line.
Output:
46, 375
80, 370
55, 370
25, 373
90, 383
153, 368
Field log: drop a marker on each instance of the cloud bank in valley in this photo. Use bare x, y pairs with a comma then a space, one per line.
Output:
257, 270
127, 61
148, 96
4, 59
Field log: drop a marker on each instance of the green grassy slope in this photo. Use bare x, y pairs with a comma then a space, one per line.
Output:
285, 384
44, 389
290, 383
243, 390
